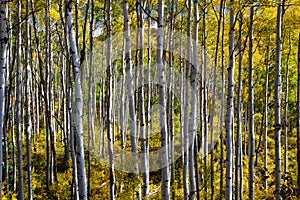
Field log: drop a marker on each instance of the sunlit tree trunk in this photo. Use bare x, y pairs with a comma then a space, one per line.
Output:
170, 100
64, 79
78, 106
277, 96
239, 157
205, 96
18, 99
130, 87
27, 103
230, 107
4, 42
142, 100
193, 123
182, 109
8, 110
187, 159
162, 102
148, 120
48, 98
14, 149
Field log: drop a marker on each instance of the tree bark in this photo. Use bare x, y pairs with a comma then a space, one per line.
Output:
277, 96
130, 88
4, 42
78, 106
239, 157
230, 106
18, 99
216, 59
91, 92
251, 109
286, 104
222, 104
109, 95
266, 123
193, 124
28, 112
162, 102
187, 159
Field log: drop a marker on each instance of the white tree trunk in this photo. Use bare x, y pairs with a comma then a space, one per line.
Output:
277, 96
187, 157
148, 130
130, 87
193, 124
27, 101
230, 106
239, 157
109, 94
78, 106
162, 102
142, 101
18, 99
4, 42
205, 96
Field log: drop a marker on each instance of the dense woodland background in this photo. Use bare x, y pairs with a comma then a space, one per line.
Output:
228, 88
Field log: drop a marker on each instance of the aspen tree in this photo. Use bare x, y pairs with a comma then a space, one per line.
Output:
78, 105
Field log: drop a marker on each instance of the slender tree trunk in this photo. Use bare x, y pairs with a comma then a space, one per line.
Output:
48, 98
109, 93
18, 96
230, 107
187, 158
142, 101
123, 113
162, 102
266, 118
277, 95
27, 100
222, 104
91, 91
69, 96
239, 157
4, 42
14, 150
182, 109
8, 112
193, 124
130, 87
205, 97
214, 102
78, 106
148, 130
286, 104
171, 99
251, 136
